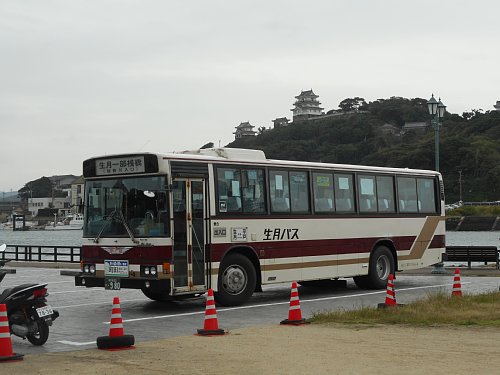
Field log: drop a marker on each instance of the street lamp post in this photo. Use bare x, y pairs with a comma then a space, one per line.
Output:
460, 185
436, 110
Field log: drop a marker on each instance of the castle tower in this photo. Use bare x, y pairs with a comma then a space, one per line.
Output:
306, 105
244, 129
280, 122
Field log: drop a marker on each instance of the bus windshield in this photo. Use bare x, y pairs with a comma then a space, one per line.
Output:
121, 207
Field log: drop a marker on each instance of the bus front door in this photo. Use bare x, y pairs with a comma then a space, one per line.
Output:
189, 214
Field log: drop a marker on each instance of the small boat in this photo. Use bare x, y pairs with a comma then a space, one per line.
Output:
70, 222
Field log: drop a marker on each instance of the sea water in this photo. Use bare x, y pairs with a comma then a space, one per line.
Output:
41, 237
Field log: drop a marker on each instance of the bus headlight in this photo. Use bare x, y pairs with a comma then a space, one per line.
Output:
89, 269
149, 271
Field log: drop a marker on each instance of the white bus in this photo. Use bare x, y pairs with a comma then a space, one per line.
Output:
177, 224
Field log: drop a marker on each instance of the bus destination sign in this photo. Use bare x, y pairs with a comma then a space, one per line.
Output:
112, 166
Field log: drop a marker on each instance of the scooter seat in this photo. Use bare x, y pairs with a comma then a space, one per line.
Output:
9, 291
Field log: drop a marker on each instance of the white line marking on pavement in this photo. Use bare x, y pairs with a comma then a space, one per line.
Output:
282, 303
74, 343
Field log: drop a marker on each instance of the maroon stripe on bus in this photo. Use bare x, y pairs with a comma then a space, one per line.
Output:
139, 255
289, 249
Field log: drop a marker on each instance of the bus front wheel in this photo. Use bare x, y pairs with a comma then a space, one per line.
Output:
236, 281
381, 265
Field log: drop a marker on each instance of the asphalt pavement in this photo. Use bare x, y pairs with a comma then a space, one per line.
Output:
85, 312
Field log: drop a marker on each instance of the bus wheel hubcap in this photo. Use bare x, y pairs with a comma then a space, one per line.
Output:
383, 267
235, 279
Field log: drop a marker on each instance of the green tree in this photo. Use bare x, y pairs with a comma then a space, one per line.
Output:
41, 188
469, 144
352, 104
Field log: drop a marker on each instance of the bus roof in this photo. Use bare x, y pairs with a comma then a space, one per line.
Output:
258, 157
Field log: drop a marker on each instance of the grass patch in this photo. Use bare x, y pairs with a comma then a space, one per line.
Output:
475, 211
436, 309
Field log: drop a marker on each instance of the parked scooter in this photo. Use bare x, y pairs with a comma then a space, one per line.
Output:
29, 314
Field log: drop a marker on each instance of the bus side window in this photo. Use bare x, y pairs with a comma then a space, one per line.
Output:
279, 191
344, 205
426, 192
281, 204
233, 204
229, 189
299, 191
385, 194
407, 191
323, 192
344, 192
253, 191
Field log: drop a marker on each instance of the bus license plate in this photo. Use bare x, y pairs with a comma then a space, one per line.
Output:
44, 311
116, 268
111, 283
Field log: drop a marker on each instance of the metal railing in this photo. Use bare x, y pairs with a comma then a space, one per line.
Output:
30, 253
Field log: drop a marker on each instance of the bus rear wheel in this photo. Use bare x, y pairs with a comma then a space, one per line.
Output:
381, 265
236, 282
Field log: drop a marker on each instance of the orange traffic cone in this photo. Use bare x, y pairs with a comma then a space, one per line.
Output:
211, 325
294, 312
6, 353
116, 339
457, 285
390, 296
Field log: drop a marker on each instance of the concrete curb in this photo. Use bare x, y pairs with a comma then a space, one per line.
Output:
485, 271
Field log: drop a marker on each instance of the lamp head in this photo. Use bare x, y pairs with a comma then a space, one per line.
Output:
432, 105
441, 109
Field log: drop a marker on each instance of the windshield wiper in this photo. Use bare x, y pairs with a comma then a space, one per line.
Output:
120, 219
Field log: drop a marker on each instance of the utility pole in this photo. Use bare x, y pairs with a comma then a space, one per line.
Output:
460, 183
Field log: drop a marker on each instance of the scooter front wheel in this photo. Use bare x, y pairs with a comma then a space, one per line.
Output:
41, 335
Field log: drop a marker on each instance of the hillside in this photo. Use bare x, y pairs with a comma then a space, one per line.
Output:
470, 143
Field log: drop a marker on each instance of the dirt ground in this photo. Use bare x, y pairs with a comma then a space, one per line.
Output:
308, 349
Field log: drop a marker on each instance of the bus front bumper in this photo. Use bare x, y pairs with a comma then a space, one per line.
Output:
125, 283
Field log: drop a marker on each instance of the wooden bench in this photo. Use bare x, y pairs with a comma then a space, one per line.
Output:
471, 254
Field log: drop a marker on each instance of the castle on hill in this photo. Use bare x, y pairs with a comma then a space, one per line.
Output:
306, 108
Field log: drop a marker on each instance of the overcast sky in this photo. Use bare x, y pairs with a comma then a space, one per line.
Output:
86, 78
